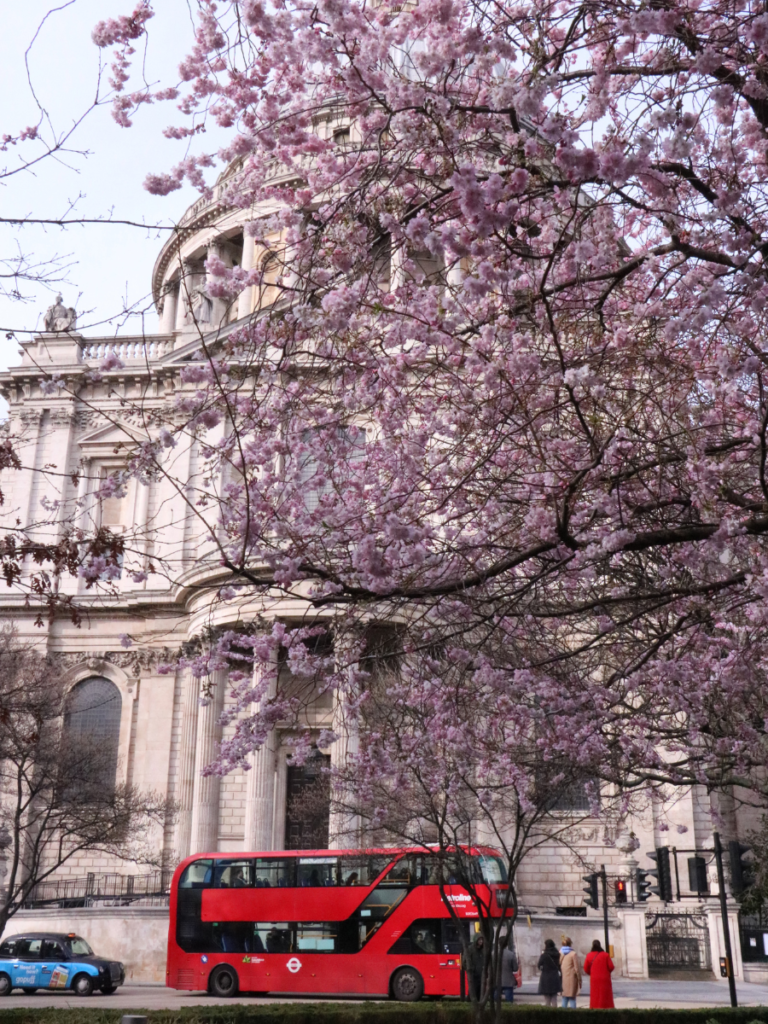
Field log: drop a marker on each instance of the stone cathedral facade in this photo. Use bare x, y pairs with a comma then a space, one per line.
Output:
160, 732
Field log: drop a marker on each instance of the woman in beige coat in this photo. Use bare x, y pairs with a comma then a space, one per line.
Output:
571, 970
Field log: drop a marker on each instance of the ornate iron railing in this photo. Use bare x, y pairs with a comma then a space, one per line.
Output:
678, 942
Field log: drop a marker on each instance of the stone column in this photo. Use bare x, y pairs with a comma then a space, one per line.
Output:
260, 785
170, 302
185, 789
186, 286
205, 812
245, 301
140, 525
455, 275
218, 309
343, 827
25, 480
396, 261
279, 799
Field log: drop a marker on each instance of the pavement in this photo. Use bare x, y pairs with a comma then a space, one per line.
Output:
640, 994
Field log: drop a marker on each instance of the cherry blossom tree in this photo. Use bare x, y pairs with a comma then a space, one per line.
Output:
504, 385
510, 392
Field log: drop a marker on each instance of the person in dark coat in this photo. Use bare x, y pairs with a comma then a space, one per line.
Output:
599, 966
550, 980
474, 967
509, 968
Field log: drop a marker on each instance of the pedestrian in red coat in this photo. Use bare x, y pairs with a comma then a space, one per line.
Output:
598, 966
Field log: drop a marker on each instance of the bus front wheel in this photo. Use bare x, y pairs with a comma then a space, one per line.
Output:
223, 982
407, 985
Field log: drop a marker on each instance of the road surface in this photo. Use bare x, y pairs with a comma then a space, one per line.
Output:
641, 994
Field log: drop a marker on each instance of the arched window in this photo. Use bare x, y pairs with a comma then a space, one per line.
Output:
93, 715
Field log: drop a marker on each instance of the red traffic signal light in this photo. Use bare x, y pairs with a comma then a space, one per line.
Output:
621, 891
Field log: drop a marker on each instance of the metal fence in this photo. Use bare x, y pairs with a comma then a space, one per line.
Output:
105, 890
678, 942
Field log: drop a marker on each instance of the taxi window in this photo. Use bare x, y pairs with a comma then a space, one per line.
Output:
34, 949
11, 947
80, 947
52, 950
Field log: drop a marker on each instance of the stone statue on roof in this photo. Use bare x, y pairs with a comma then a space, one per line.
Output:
59, 317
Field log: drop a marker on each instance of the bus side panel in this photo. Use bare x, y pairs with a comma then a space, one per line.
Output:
333, 973
334, 903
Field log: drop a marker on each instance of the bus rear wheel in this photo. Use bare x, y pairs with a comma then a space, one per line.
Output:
223, 982
407, 985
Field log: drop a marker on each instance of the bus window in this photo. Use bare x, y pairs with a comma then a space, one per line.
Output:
379, 864
314, 871
423, 936
451, 937
197, 875
493, 869
192, 934
274, 872
399, 873
321, 938
275, 937
382, 901
357, 869
231, 936
233, 874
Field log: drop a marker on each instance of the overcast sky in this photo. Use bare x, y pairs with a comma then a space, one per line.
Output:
111, 266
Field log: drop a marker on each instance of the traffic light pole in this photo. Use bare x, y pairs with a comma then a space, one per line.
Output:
605, 905
724, 913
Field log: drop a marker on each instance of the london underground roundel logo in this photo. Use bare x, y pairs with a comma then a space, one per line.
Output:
294, 965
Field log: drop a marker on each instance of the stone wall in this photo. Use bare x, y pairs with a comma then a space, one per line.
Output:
529, 939
137, 936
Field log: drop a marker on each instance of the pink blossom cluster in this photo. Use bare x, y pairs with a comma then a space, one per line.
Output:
507, 400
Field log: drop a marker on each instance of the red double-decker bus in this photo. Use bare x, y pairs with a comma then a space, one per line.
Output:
328, 922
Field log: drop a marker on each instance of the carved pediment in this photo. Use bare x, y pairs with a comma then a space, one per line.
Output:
110, 440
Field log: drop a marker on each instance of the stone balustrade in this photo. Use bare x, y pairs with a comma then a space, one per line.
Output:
127, 350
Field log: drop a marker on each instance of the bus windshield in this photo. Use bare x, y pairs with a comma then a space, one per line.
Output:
494, 870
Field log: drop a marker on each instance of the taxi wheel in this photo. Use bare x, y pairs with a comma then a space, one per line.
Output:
223, 982
407, 985
82, 985
5, 985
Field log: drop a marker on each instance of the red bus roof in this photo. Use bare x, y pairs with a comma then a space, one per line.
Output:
383, 851
371, 851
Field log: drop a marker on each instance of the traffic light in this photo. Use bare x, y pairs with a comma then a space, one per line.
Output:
662, 874
643, 885
591, 899
621, 891
742, 871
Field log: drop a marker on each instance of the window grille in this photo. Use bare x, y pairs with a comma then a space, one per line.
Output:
575, 797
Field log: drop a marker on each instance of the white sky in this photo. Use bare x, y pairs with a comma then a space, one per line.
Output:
111, 265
